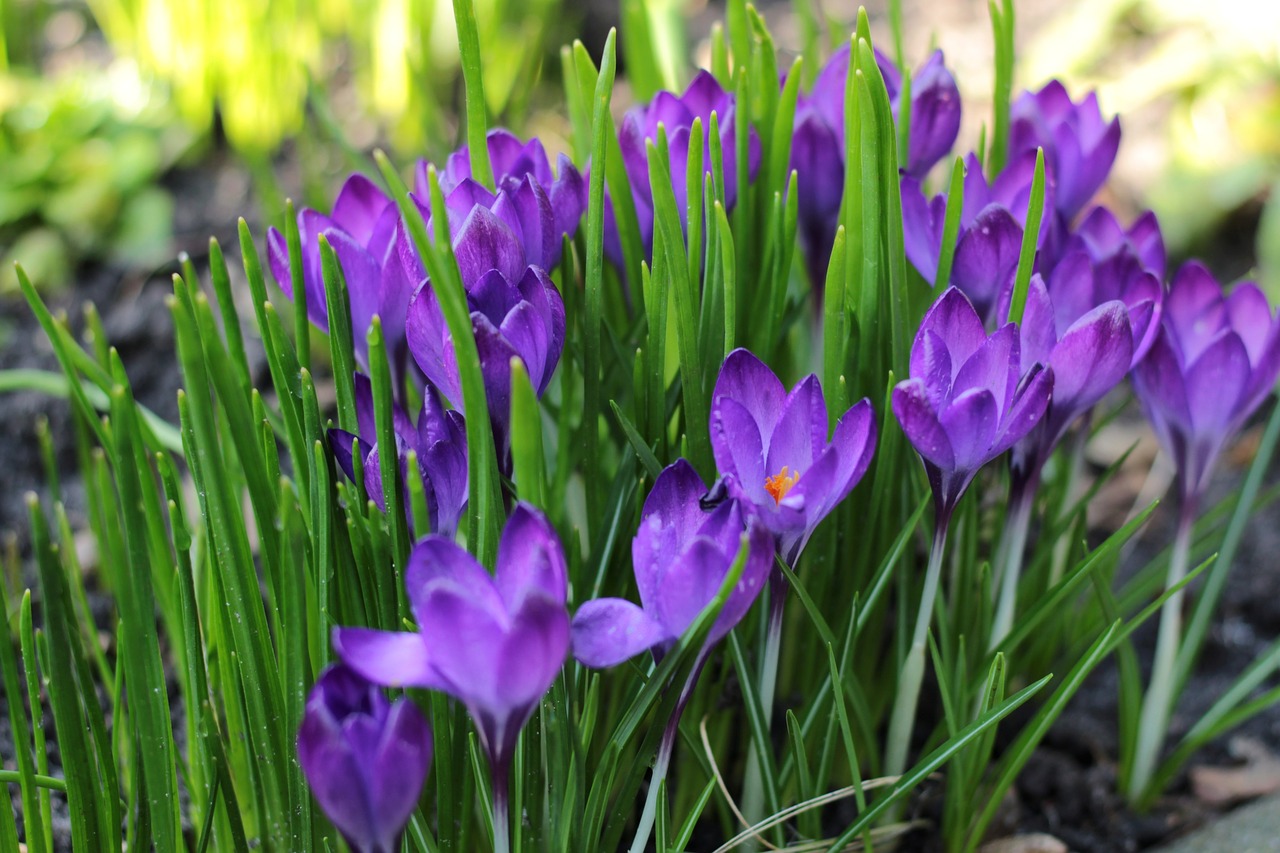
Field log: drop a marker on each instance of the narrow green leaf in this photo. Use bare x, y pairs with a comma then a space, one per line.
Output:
951, 225
1002, 29
341, 341
301, 320
464, 16
1030, 239
594, 280
527, 454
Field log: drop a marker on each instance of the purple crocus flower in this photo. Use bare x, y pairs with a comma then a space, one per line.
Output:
818, 145
1088, 353
992, 217
516, 311
676, 114
362, 230
966, 400
771, 445
493, 642
537, 206
439, 439
1214, 360
365, 758
681, 554
1079, 147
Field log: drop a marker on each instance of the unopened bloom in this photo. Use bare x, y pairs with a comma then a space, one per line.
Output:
365, 758
676, 114
493, 642
1088, 354
1214, 361
516, 310
681, 555
966, 400
772, 446
993, 215
362, 231
1079, 146
540, 208
439, 440
818, 145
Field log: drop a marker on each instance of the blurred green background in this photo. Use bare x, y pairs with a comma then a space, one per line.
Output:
108, 107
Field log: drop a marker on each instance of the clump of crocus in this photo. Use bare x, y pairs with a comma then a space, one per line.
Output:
818, 145
516, 310
539, 207
676, 115
1214, 361
362, 231
966, 402
992, 218
681, 553
493, 642
1079, 146
364, 757
439, 441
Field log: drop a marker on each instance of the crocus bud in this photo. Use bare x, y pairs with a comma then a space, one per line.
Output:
364, 757
1214, 360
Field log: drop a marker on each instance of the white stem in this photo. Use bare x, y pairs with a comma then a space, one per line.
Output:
1158, 701
1013, 542
902, 720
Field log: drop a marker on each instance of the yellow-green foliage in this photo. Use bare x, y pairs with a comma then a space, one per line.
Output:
254, 58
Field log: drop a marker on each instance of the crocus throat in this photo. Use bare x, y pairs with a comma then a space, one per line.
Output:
779, 484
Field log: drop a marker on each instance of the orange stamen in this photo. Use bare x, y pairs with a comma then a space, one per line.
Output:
778, 485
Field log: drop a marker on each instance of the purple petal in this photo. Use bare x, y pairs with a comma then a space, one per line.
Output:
671, 516
483, 243
530, 559
358, 207
920, 423
534, 651
986, 257
437, 559
608, 631
800, 433
389, 658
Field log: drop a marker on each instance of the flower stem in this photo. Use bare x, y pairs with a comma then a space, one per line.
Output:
1072, 493
902, 720
663, 762
1013, 542
1159, 699
753, 786
501, 813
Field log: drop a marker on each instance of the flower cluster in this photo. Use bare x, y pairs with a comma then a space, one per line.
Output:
994, 368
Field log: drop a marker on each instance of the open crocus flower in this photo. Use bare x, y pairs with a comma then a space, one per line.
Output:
966, 400
362, 230
540, 208
772, 447
676, 114
818, 145
516, 310
493, 642
681, 554
992, 217
1213, 362
440, 441
1079, 147
1088, 354
365, 758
